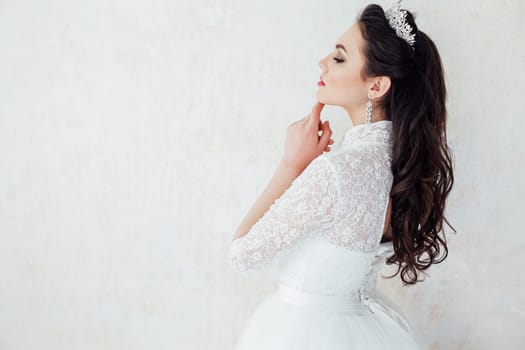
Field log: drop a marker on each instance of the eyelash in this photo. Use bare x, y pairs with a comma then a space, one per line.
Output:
338, 60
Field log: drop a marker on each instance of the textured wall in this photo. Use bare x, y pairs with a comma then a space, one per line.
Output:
134, 136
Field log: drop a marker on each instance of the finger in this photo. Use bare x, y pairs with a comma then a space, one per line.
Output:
319, 129
325, 137
315, 115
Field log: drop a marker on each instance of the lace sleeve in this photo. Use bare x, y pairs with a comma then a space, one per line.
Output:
306, 208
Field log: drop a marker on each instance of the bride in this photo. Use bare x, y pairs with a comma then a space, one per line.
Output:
333, 218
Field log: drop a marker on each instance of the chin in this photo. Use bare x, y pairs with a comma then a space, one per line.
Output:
321, 98
324, 100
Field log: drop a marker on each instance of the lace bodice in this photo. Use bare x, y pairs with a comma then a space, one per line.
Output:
325, 229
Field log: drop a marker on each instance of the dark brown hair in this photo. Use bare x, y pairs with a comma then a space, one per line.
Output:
421, 159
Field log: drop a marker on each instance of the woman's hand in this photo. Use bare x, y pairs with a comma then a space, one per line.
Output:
303, 142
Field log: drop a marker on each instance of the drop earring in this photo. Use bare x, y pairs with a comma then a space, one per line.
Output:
368, 117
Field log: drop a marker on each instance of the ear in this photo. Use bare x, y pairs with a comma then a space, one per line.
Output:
379, 86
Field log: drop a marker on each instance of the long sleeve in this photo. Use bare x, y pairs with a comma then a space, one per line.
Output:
307, 208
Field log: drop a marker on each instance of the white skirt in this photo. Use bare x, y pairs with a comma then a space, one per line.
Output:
295, 320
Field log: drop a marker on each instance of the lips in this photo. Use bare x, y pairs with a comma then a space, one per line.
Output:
320, 82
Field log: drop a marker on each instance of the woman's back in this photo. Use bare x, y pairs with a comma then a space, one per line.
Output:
325, 231
341, 196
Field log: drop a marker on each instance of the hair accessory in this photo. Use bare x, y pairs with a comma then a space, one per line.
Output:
397, 19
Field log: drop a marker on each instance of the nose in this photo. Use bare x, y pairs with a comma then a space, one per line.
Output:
322, 64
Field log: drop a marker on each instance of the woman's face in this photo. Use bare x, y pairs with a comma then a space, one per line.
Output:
341, 74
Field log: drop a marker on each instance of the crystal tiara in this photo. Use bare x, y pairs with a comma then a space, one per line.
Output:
397, 20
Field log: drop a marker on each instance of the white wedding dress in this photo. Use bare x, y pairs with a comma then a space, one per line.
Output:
325, 232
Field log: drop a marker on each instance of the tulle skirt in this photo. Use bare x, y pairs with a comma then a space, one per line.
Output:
294, 320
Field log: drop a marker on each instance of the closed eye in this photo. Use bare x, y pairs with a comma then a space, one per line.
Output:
338, 60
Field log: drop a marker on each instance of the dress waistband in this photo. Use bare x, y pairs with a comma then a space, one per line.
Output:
342, 305
328, 303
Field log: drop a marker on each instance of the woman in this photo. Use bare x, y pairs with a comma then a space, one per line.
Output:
332, 219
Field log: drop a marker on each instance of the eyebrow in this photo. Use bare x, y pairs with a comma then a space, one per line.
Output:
341, 46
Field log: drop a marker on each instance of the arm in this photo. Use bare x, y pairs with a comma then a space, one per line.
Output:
303, 145
305, 209
281, 180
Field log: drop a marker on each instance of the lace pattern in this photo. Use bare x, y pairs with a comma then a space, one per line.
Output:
341, 196
305, 209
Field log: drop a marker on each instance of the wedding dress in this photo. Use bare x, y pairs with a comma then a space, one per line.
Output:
325, 233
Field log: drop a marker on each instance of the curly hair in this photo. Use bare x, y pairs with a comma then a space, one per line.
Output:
421, 160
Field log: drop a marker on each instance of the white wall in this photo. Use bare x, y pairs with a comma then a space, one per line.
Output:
134, 136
